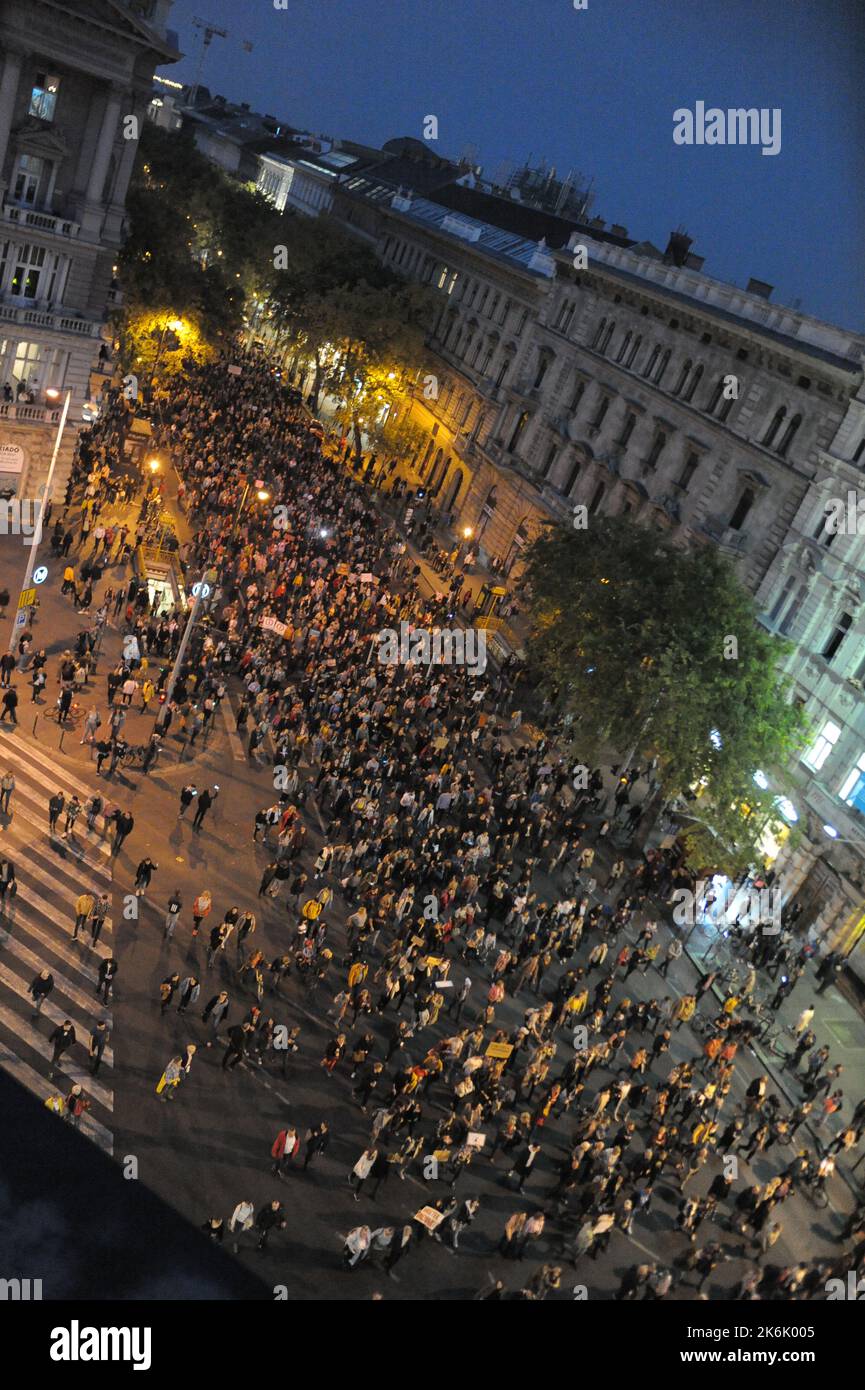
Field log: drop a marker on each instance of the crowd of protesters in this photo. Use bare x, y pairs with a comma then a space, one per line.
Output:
476, 982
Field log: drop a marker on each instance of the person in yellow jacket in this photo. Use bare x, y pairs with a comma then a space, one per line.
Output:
147, 692
83, 908
684, 1010
68, 580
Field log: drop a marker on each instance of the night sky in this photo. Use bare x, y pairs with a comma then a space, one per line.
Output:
594, 91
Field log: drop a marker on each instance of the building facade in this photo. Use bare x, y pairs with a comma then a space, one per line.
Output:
609, 376
74, 87
579, 372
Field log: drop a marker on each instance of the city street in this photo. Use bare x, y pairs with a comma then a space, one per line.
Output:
210, 1148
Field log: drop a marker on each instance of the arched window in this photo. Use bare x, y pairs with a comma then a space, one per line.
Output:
611, 328
662, 367
522, 421
597, 498
777, 421
789, 435
653, 357
543, 363
572, 478
742, 508
715, 398
634, 350
693, 383
626, 343
599, 334
683, 377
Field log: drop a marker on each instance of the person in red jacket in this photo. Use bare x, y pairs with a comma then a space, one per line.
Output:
285, 1146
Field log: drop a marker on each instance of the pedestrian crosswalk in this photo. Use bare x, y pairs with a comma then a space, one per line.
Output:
36, 933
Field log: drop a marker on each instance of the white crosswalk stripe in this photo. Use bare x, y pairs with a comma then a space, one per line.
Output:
36, 933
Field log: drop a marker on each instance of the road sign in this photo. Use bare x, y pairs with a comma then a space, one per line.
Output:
203, 589
21, 620
26, 597
40, 574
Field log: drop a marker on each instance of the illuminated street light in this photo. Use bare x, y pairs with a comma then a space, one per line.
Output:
153, 465
262, 495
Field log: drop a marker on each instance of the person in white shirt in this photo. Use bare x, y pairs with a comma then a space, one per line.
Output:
242, 1219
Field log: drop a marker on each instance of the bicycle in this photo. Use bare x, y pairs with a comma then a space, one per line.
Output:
72, 716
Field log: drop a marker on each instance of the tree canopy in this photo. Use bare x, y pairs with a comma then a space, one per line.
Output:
657, 652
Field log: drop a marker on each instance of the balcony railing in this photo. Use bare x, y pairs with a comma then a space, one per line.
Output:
40, 221
28, 414
57, 322
736, 542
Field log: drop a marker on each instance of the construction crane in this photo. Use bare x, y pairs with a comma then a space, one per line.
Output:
209, 32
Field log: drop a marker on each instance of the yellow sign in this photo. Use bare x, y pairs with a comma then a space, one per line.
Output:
501, 1051
27, 597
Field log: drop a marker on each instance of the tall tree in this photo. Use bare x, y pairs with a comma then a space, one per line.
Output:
656, 652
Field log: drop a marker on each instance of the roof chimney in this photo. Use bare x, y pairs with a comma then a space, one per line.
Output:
678, 247
618, 230
759, 287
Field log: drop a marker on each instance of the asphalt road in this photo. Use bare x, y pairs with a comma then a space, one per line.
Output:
209, 1148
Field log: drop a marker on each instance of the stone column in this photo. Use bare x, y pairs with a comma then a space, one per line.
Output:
8, 92
104, 145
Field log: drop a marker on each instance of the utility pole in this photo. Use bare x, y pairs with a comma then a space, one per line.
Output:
204, 587
37, 534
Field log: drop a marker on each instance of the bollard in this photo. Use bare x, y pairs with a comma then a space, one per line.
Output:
35, 722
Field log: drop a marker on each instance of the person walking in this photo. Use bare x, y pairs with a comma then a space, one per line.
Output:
205, 801
215, 1011
200, 909
84, 905
107, 973
172, 914
7, 787
99, 1040
285, 1147
167, 991
269, 1219
187, 795
143, 875
62, 1038
170, 1079
55, 810
238, 1040
190, 989
317, 1140
98, 916
123, 826
10, 705
361, 1171
8, 882
39, 990
242, 1220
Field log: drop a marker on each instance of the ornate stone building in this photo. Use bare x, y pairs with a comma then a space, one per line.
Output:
640, 385
71, 76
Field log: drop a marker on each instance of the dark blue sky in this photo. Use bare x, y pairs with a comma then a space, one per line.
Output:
595, 90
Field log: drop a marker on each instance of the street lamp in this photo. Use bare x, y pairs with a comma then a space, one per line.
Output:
203, 590
19, 619
261, 493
